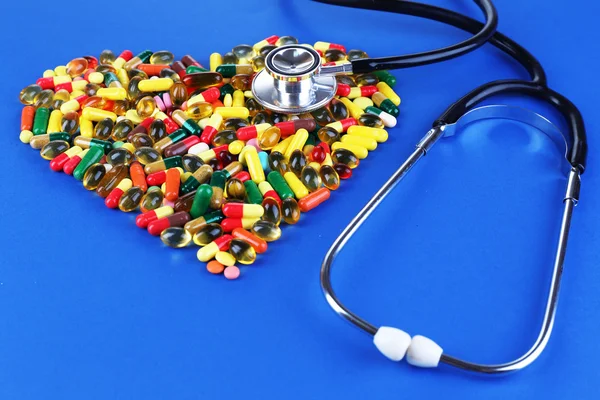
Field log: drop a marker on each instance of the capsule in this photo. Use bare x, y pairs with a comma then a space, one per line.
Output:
254, 165
280, 185
365, 142
225, 258
267, 191
370, 120
201, 200
182, 147
252, 131
162, 165
187, 123
156, 227
388, 119
159, 177
93, 156
229, 70
252, 192
172, 184
209, 251
112, 200
29, 93
241, 82
111, 180
176, 237
143, 220
329, 177
131, 199
354, 110
242, 251
272, 210
296, 185
200, 176
112, 93
233, 112
297, 162
207, 96
202, 80
343, 125
93, 176
195, 225
310, 178
324, 46
297, 142
70, 165
40, 121
86, 143
266, 230
235, 189
39, 141
207, 233
358, 150
211, 129
53, 149
314, 199
385, 104
355, 92
121, 130
174, 137
229, 224
269, 138
290, 211
322, 116
215, 60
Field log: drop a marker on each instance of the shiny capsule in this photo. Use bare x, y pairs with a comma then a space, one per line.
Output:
277, 162
224, 137
328, 135
77, 66
60, 97
243, 52
242, 251
370, 120
162, 57
346, 157
310, 178
176, 237
93, 176
297, 162
28, 94
343, 171
241, 82
103, 129
329, 177
111, 180
272, 210
338, 109
269, 138
199, 110
145, 106
266, 230
121, 130
191, 162
53, 149
152, 200
261, 117
44, 99
131, 199
157, 130
207, 234
119, 156
290, 211
235, 189
141, 140
147, 155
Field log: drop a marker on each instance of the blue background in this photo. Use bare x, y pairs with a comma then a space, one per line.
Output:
92, 307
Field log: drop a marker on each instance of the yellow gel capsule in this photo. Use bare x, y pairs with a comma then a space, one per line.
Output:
225, 258
282, 146
355, 111
25, 136
48, 73
389, 92
155, 85
363, 102
296, 185
254, 166
297, 142
228, 100
208, 252
54, 122
235, 147
238, 99
233, 112
378, 134
112, 93
97, 114
96, 77
215, 60
358, 151
86, 127
368, 143
133, 116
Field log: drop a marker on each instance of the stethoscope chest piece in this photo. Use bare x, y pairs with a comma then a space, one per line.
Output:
293, 81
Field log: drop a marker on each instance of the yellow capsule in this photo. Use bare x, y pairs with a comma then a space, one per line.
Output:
328, 160
235, 147
176, 237
228, 100
297, 142
25, 136
48, 73
54, 121
378, 134
389, 92
133, 116
296, 185
76, 93
355, 111
233, 112
96, 77
248, 222
145, 106
123, 77
112, 93
53, 149
248, 94
163, 211
207, 155
225, 258
282, 146
208, 252
86, 127
238, 99
269, 138
215, 60
199, 110
254, 166
60, 70
129, 147
97, 114
155, 85
70, 105
367, 143
359, 151
363, 102
125, 185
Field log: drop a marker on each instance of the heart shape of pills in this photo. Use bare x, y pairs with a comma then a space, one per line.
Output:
194, 153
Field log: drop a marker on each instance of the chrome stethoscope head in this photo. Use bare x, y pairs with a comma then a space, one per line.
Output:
293, 80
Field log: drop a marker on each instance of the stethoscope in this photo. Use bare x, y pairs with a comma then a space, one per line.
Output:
293, 81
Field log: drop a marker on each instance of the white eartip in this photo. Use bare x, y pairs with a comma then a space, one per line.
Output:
392, 342
423, 352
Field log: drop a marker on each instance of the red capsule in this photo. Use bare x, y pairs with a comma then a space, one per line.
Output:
318, 154
58, 162
247, 132
315, 198
289, 128
229, 224
182, 147
242, 210
188, 60
179, 68
325, 147
144, 219
152, 69
210, 95
178, 219
70, 165
242, 176
92, 61
157, 178
343, 90
260, 246
208, 134
217, 103
343, 170
222, 242
126, 55
367, 91
219, 149
141, 128
170, 125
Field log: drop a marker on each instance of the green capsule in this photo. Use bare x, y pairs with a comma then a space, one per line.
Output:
208, 233
277, 162
201, 200
290, 211
310, 178
175, 237
385, 104
224, 137
234, 123
192, 127
218, 179
385, 76
27, 95
40, 121
44, 99
199, 176
39, 141
103, 129
370, 120
329, 177
145, 56
93, 176
70, 122
243, 252
110, 77
131, 199
266, 230
162, 57
217, 182
235, 189
105, 145
252, 192
93, 156
53, 149
173, 162
338, 109
146, 155
194, 68
328, 135
191, 162
152, 199
226, 89
356, 54
345, 157
122, 129
119, 156
272, 211
297, 162
227, 70
279, 185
